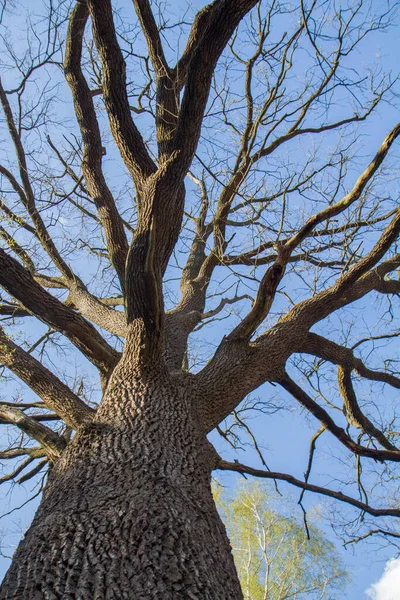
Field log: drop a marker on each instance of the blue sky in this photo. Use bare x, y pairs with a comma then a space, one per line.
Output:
284, 435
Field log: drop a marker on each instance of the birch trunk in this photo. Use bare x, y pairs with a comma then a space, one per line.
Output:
128, 511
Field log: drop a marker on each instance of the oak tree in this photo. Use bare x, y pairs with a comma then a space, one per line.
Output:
162, 172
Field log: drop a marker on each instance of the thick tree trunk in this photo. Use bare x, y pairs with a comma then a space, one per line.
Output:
128, 511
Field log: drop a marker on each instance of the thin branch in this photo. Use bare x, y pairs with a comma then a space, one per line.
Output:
351, 197
33, 472
26, 194
244, 469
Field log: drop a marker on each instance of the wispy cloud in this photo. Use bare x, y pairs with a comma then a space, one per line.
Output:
388, 587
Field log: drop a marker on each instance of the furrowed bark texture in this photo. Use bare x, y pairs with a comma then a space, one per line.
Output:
128, 511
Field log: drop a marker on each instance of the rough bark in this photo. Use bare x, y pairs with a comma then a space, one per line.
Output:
128, 511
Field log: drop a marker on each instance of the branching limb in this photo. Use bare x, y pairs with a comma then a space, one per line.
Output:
50, 441
152, 35
354, 414
321, 414
351, 197
199, 27
359, 279
26, 193
55, 394
117, 244
33, 472
255, 256
45, 417
265, 358
79, 298
214, 25
100, 313
125, 132
264, 299
180, 322
378, 532
340, 355
36, 452
167, 95
20, 284
18, 470
270, 281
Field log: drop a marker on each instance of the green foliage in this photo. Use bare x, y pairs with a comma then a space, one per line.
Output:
273, 556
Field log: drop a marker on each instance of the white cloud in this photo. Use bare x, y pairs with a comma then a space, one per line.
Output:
388, 587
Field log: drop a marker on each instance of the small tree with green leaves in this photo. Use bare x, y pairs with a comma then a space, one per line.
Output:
276, 556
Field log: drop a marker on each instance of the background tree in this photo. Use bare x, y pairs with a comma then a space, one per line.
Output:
142, 147
273, 555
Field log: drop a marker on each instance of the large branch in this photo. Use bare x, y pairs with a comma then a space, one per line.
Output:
346, 361
117, 244
96, 311
328, 350
211, 31
238, 368
125, 132
165, 189
264, 299
55, 394
20, 284
50, 441
274, 274
270, 281
199, 27
181, 321
326, 420
354, 414
152, 35
167, 95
